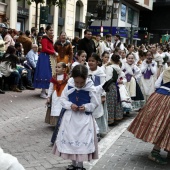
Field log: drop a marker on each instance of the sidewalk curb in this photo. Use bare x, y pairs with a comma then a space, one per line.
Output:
109, 140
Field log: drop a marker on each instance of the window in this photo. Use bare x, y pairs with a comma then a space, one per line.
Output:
77, 11
123, 12
132, 16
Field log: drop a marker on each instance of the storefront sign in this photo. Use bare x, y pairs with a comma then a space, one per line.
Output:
122, 31
80, 25
22, 11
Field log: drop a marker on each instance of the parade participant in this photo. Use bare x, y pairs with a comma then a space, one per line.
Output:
105, 59
158, 58
148, 70
57, 85
152, 124
46, 63
9, 162
117, 42
133, 75
98, 44
81, 58
113, 74
142, 57
77, 139
107, 44
64, 49
98, 77
131, 49
123, 56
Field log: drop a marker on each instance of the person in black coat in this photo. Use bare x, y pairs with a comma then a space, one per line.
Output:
87, 44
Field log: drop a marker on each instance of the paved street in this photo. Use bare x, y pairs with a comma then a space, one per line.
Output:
24, 134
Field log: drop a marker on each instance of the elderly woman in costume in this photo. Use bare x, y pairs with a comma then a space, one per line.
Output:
64, 49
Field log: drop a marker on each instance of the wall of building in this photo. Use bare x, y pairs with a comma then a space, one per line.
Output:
70, 16
9, 9
124, 14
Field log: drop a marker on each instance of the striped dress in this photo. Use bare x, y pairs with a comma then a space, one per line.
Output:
152, 124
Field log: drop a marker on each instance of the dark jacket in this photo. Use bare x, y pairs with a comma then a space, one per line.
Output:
87, 45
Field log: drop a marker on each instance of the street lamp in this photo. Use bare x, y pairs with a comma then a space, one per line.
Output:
112, 4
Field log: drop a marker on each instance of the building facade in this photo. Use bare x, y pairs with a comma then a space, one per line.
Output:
70, 18
124, 17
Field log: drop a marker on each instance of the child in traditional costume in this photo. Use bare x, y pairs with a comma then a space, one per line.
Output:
158, 58
123, 57
97, 75
77, 139
152, 124
105, 59
9, 162
113, 75
133, 75
81, 58
148, 70
57, 84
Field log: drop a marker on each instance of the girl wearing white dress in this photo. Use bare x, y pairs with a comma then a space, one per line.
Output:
57, 84
148, 70
133, 75
77, 139
97, 75
81, 58
105, 59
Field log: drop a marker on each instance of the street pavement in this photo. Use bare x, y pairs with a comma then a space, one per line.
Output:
24, 134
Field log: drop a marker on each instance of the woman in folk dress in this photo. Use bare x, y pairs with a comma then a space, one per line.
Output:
152, 124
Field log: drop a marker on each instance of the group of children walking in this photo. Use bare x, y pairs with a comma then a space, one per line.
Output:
96, 96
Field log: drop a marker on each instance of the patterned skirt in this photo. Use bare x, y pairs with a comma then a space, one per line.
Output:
115, 110
152, 124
